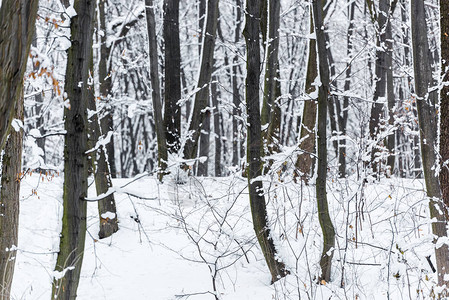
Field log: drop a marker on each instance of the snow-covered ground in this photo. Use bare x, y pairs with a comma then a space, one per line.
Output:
179, 241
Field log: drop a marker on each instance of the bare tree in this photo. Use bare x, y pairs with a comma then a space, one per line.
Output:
17, 19
428, 129
155, 86
323, 93
202, 96
76, 163
255, 187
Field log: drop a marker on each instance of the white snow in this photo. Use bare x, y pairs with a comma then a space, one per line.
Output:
17, 124
70, 11
154, 253
108, 215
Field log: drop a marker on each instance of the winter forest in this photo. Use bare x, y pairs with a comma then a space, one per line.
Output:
233, 149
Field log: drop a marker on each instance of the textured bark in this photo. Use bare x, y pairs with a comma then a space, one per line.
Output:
156, 92
203, 167
172, 111
218, 133
254, 143
236, 122
444, 108
272, 88
444, 103
428, 132
17, 19
391, 142
105, 78
305, 160
206, 68
73, 233
321, 194
381, 79
205, 128
9, 204
102, 176
343, 113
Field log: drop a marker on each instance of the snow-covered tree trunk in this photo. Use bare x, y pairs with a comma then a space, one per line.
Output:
254, 158
207, 65
323, 93
156, 91
428, 133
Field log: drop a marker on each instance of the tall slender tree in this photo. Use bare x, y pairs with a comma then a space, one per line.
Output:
207, 65
428, 130
17, 23
254, 142
105, 78
156, 90
172, 110
17, 19
305, 160
76, 87
9, 204
323, 93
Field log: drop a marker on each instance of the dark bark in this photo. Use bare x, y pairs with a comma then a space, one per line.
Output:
17, 19
305, 160
156, 92
236, 122
203, 167
343, 113
272, 88
391, 142
105, 78
76, 164
254, 142
321, 194
107, 210
206, 68
444, 108
218, 133
377, 107
428, 132
172, 111
9, 204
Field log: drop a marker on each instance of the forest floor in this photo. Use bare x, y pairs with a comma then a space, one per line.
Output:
179, 241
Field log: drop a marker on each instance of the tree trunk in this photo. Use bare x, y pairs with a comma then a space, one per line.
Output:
391, 142
106, 207
343, 113
156, 92
305, 160
272, 88
9, 204
217, 114
321, 194
236, 122
428, 132
172, 111
206, 68
204, 145
381, 80
17, 19
105, 78
255, 187
444, 108
76, 164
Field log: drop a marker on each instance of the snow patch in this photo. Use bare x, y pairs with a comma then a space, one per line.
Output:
59, 274
17, 124
70, 11
108, 215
